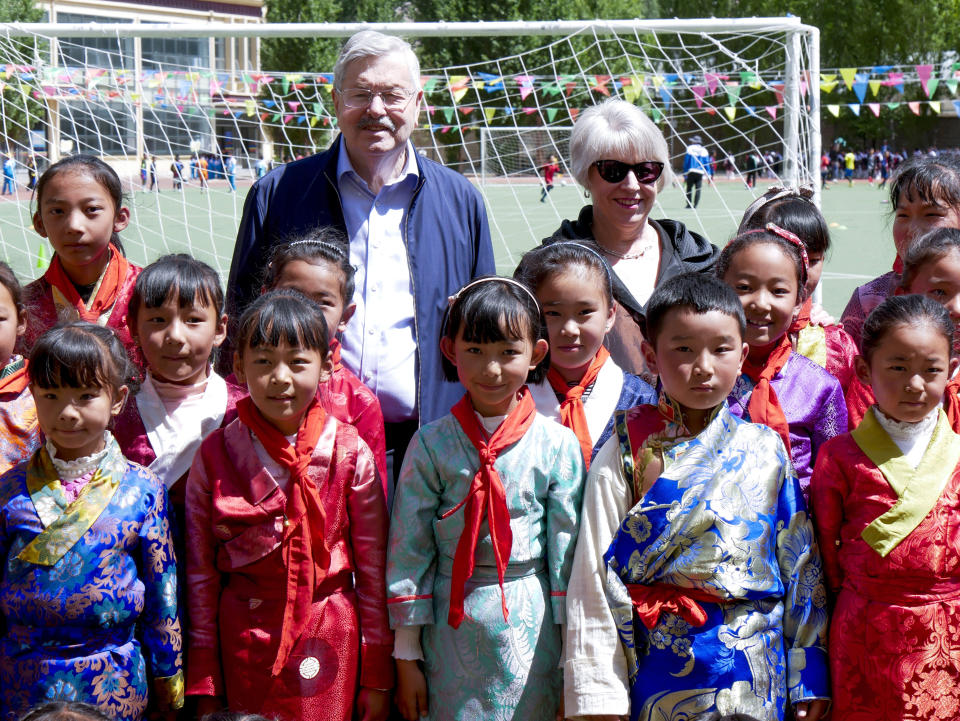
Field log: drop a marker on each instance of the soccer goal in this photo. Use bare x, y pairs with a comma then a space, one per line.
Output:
191, 103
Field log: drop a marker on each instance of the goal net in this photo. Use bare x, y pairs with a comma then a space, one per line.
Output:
160, 102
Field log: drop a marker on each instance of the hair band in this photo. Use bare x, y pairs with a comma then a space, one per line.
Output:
791, 238
776, 192
491, 278
606, 268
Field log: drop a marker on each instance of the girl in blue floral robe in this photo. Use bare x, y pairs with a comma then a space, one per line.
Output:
88, 590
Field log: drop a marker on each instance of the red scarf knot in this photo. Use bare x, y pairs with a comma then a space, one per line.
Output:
572, 412
764, 406
486, 496
111, 282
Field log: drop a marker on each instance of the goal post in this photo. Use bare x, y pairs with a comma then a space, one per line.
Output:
190, 92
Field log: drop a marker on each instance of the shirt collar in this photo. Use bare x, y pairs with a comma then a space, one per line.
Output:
344, 166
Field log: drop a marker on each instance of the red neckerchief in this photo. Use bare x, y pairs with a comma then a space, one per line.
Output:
803, 318
486, 497
107, 293
16, 381
572, 414
764, 406
335, 354
898, 265
951, 402
305, 545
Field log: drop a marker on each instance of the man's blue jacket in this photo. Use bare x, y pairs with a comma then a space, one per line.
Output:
445, 230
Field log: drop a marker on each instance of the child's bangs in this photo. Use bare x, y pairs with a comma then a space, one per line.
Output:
186, 282
494, 319
69, 361
931, 185
290, 322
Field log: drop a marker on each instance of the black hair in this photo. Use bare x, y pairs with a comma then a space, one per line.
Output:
933, 180
756, 237
65, 711
81, 355
326, 244
911, 310
695, 292
491, 311
8, 279
927, 248
192, 281
795, 213
283, 315
556, 258
96, 169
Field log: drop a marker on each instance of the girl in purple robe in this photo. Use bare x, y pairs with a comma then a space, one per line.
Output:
778, 386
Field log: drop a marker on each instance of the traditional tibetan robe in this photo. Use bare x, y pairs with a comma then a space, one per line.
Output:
52, 298
888, 528
19, 432
613, 390
238, 570
89, 588
713, 578
496, 664
812, 403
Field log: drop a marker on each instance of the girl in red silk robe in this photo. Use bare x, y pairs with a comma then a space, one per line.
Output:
287, 525
885, 500
319, 267
19, 432
80, 211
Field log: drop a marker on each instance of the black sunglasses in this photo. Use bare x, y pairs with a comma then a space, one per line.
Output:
613, 171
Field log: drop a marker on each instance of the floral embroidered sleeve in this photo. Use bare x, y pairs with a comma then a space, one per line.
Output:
162, 638
805, 598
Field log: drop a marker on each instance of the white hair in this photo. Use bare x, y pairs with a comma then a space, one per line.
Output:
616, 128
370, 43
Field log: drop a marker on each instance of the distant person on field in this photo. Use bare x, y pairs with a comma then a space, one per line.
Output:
696, 165
9, 175
417, 232
549, 170
176, 168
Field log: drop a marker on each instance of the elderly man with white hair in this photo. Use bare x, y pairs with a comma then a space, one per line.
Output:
417, 232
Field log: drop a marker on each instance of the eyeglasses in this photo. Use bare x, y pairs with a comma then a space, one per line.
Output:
394, 99
613, 171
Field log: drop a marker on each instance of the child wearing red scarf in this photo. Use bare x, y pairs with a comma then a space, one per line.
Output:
19, 432
779, 387
318, 265
484, 525
287, 525
813, 333
80, 211
584, 386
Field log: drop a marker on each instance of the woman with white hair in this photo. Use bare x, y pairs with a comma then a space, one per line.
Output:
620, 158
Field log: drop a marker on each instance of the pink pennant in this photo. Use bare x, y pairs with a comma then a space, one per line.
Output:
915, 107
525, 83
574, 112
772, 110
778, 92
875, 107
287, 119
893, 79
293, 105
466, 109
712, 81
529, 111
698, 92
